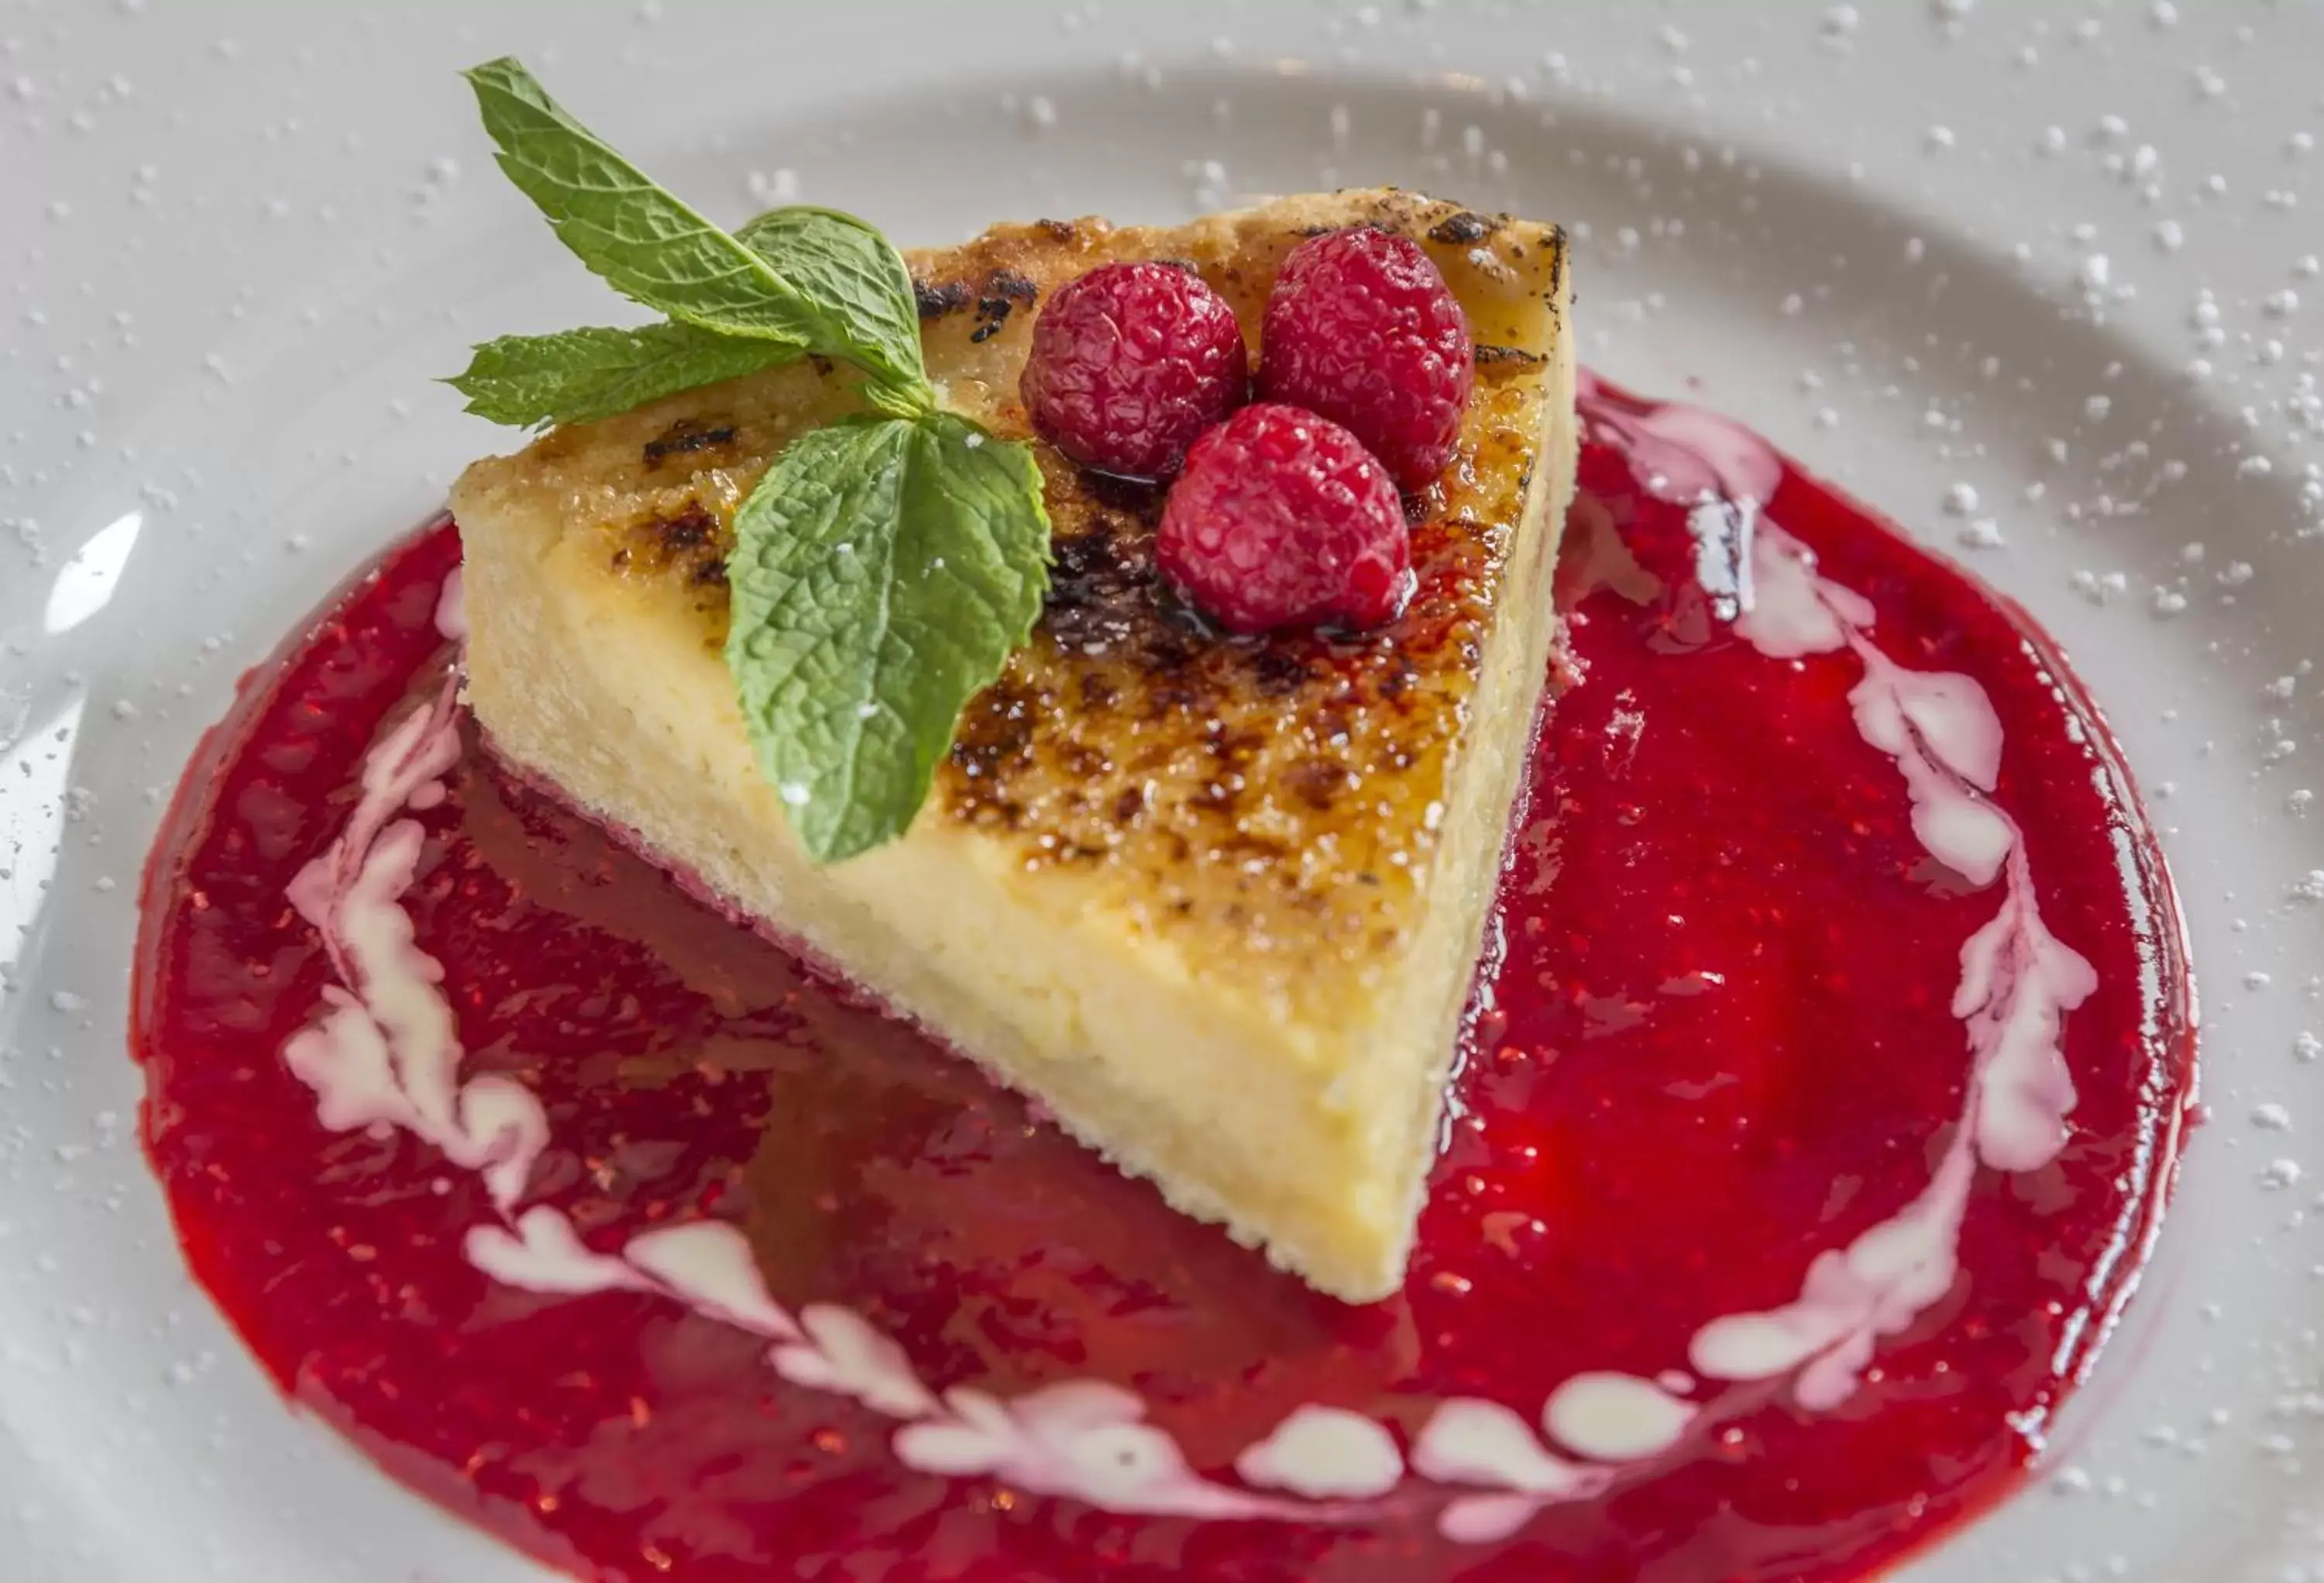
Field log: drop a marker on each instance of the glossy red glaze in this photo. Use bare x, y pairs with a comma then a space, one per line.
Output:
1710, 1040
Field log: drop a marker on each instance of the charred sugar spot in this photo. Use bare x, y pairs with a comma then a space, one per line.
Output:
1173, 688
1102, 587
936, 298
1184, 632
690, 542
1004, 291
1237, 750
1135, 498
994, 743
1278, 671
1258, 852
1058, 231
1317, 782
1331, 724
1462, 229
1084, 762
684, 438
1219, 799
1130, 805
1491, 356
692, 528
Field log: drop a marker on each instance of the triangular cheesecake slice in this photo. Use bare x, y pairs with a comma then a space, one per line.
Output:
1216, 903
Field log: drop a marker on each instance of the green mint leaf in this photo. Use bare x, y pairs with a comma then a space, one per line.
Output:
644, 243
883, 572
861, 292
577, 376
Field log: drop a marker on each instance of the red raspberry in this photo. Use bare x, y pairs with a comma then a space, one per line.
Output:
1129, 362
1282, 519
1362, 328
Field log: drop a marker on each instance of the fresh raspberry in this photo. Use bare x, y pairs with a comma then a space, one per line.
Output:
1362, 328
1282, 519
1129, 362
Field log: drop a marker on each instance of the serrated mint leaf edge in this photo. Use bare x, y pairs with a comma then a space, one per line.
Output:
863, 290
619, 223
581, 375
849, 711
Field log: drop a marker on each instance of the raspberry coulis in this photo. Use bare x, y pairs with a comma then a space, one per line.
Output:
1710, 1041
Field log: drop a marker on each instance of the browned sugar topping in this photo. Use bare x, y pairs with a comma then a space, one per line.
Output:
1284, 788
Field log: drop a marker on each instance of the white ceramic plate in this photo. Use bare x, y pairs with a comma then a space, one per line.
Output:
2052, 252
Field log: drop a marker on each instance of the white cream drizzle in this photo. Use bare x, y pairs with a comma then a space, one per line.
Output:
708, 1265
1082, 1438
384, 1052
1324, 1452
1685, 455
541, 1252
2017, 980
452, 606
1468, 1440
1610, 1417
839, 1352
387, 1052
1938, 726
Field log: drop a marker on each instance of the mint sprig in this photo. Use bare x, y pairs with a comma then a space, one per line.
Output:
888, 564
578, 376
880, 576
864, 308
643, 241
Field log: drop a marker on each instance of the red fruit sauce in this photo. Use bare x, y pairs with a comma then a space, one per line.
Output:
1711, 1039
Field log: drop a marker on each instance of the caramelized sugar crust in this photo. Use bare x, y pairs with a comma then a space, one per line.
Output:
1278, 798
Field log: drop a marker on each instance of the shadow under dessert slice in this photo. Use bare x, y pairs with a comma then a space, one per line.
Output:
1216, 902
